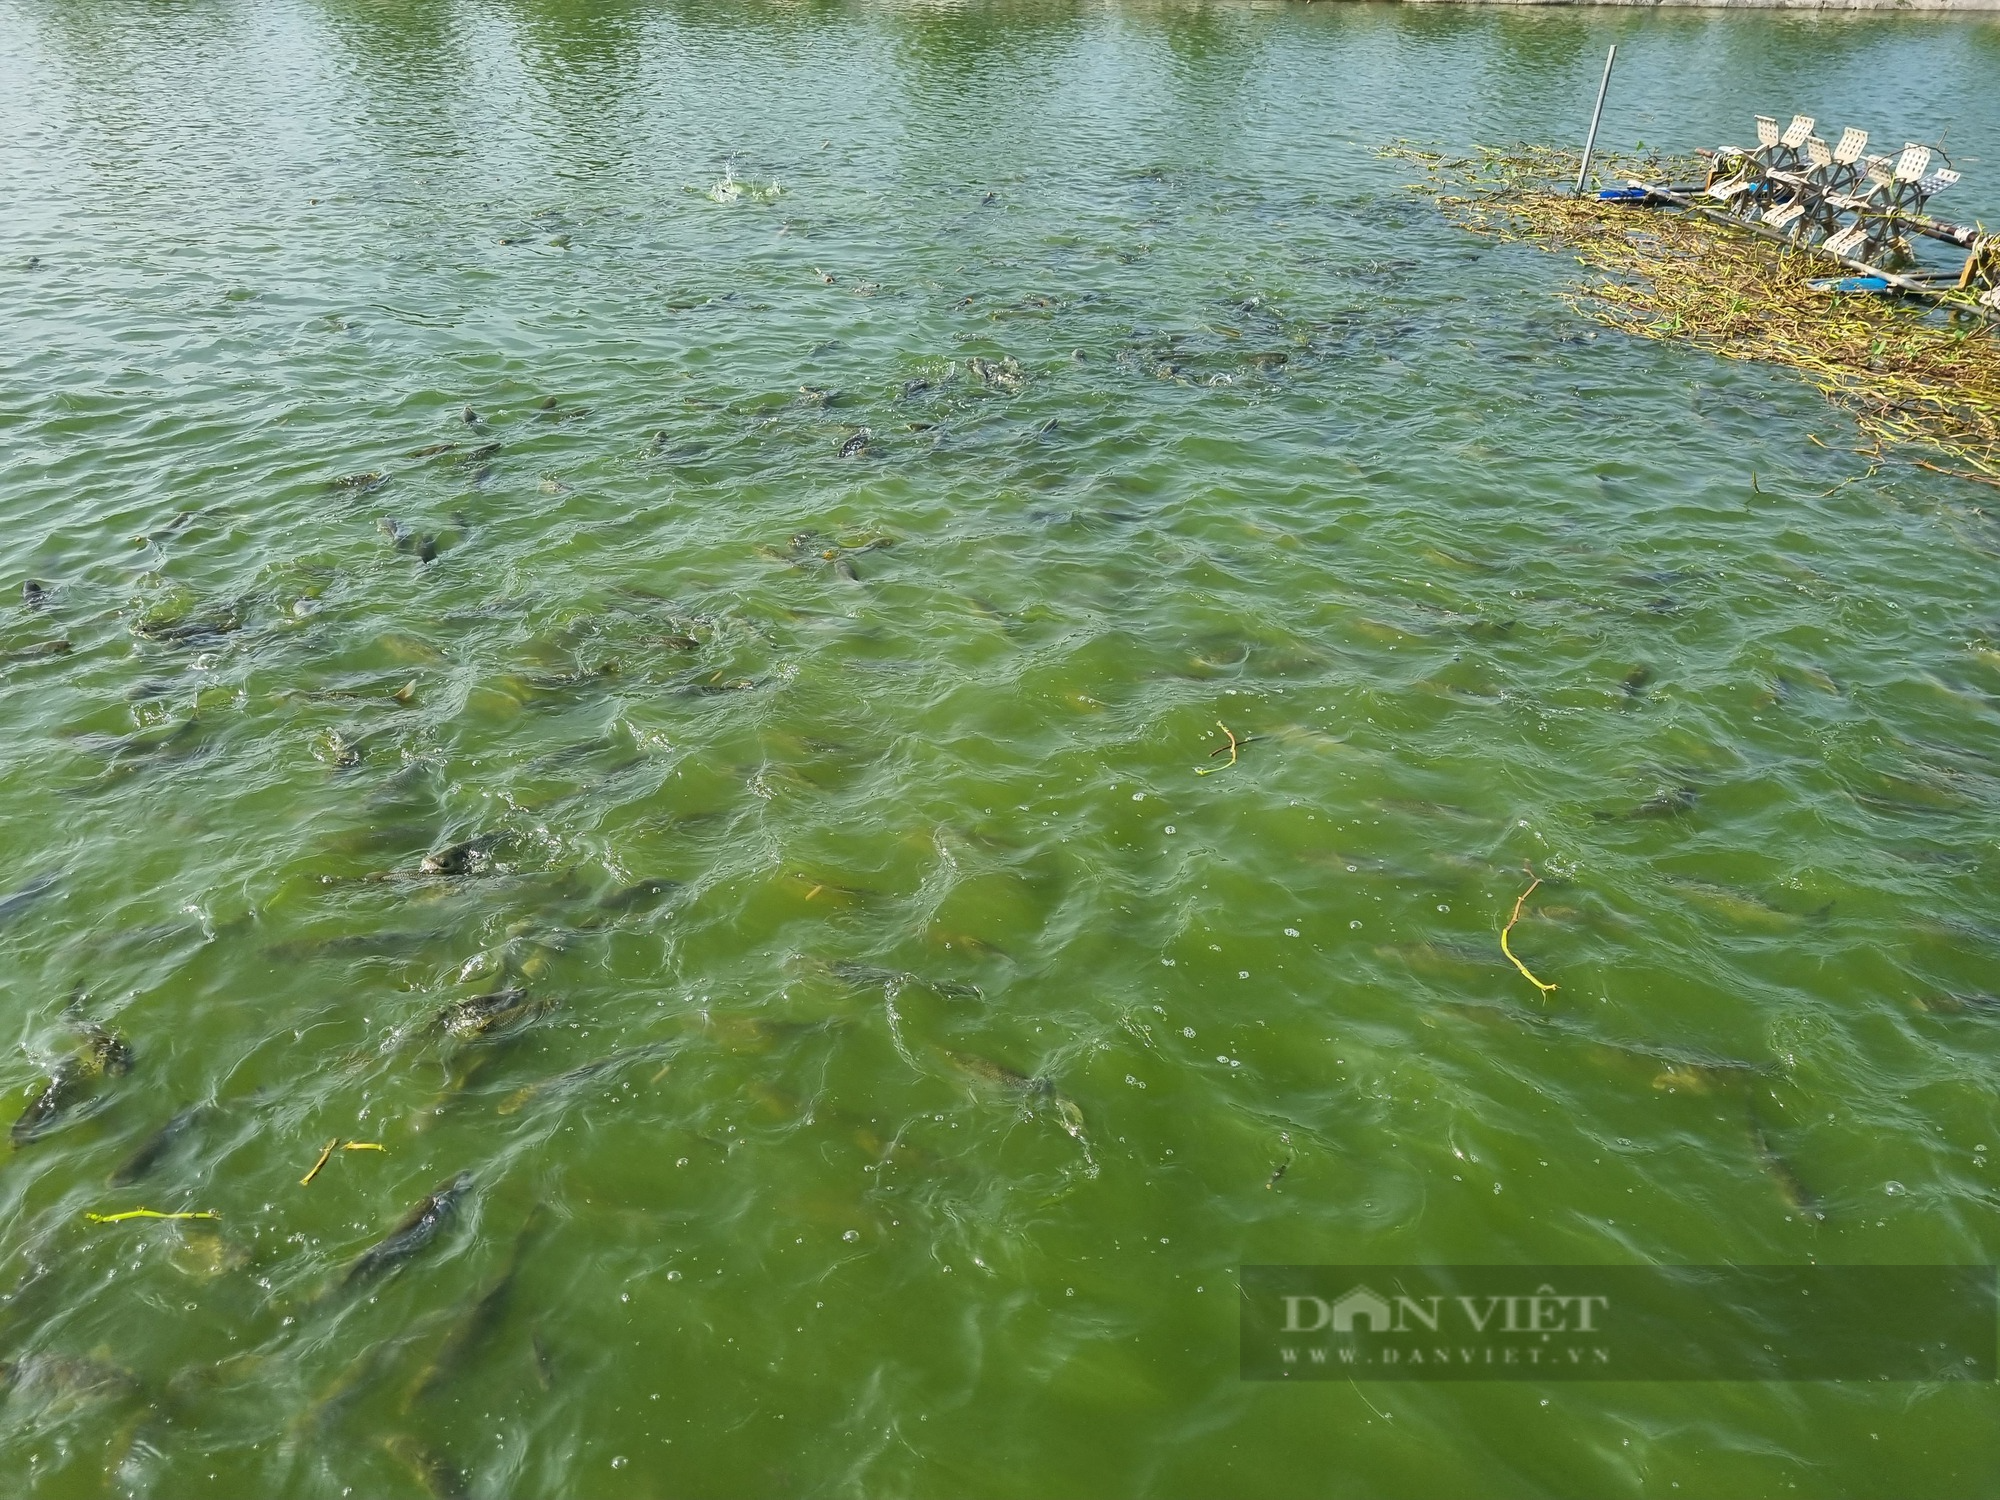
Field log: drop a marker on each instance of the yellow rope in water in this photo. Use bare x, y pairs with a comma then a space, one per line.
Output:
1519, 902
146, 1213
325, 1152
1233, 744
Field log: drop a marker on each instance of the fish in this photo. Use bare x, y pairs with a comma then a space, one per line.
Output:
181, 632
869, 976
419, 1227
1802, 1199
362, 1372
40, 651
433, 450
856, 443
1946, 1003
12, 906
479, 1322
1003, 374
67, 1086
461, 858
481, 1015
468, 416
1743, 907
61, 1380
1668, 802
34, 593
360, 484
439, 1476
1037, 1090
1636, 680
1444, 958
641, 893
153, 1150
72, 1081
567, 1083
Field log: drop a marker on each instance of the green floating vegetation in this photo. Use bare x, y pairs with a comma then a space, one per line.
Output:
1914, 376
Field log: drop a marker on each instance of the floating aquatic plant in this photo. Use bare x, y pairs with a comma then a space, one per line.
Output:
1912, 375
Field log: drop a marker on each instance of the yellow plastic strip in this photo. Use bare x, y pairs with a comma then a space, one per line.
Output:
146, 1213
325, 1152
1233, 743
1519, 902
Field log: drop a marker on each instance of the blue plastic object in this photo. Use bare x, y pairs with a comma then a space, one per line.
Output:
1621, 195
1850, 284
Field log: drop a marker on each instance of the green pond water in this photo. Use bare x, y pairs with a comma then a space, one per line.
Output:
802, 668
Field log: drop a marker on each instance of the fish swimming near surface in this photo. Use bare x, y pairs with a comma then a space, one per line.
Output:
641, 893
34, 593
12, 906
482, 1015
419, 1227
1802, 1199
73, 1080
154, 1149
1745, 908
564, 1084
870, 977
1668, 802
462, 858
1959, 1003
1636, 680
1036, 1091
479, 1322
63, 1381
441, 1478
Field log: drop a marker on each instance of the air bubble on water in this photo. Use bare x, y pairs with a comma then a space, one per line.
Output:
1138, 796
624, 1296
1242, 973
1170, 828
1894, 1189
851, 1236
1291, 932
673, 1276
1168, 962
1187, 1031
1443, 907
1134, 1082
620, 1461
1351, 926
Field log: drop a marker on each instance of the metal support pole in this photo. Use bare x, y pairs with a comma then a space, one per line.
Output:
1590, 143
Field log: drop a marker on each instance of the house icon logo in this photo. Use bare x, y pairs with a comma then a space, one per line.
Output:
1359, 1302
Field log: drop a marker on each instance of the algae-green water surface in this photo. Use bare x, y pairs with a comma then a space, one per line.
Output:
777, 503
